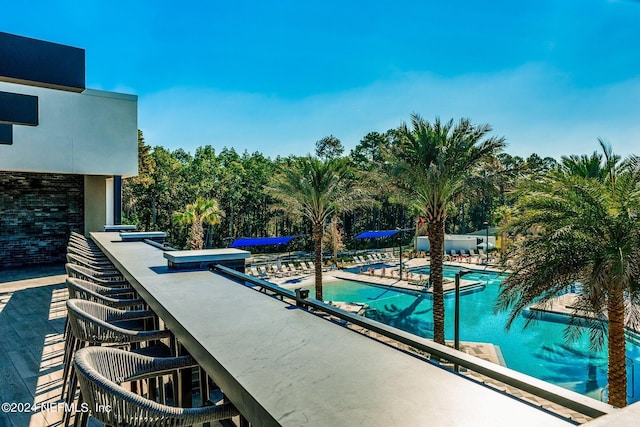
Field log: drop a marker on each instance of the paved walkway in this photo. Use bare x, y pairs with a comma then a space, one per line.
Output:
32, 317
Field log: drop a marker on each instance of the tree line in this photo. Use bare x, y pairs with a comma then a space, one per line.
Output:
169, 180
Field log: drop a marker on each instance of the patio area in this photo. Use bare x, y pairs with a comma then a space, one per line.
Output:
32, 317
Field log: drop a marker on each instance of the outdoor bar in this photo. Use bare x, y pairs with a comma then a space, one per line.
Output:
281, 365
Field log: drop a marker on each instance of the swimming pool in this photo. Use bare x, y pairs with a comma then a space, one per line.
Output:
539, 350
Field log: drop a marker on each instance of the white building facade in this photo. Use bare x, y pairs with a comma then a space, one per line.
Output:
63, 151
457, 242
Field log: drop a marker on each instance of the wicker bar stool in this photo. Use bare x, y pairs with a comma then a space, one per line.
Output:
80, 240
101, 266
94, 254
76, 235
110, 279
93, 324
113, 297
86, 246
109, 287
101, 371
95, 257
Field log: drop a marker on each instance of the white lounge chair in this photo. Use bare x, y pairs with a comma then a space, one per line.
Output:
262, 270
304, 267
273, 271
293, 268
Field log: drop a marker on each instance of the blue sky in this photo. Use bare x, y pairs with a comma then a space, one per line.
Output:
550, 76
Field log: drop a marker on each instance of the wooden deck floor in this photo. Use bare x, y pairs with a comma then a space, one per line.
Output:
32, 317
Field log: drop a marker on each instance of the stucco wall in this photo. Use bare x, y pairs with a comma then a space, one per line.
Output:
88, 133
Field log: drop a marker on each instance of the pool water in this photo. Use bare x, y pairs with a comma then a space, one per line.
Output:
539, 350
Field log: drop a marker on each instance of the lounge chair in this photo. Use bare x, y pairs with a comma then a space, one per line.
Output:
257, 271
275, 272
326, 266
262, 270
293, 268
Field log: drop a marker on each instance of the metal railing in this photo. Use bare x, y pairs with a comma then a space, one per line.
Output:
550, 392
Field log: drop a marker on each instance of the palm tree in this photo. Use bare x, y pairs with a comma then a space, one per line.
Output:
593, 166
202, 211
580, 224
432, 163
316, 189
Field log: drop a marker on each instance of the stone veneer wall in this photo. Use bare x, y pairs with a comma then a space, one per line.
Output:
37, 213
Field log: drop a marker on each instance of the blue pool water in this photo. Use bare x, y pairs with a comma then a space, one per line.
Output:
539, 350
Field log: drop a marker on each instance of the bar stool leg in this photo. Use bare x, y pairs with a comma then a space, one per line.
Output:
204, 387
185, 384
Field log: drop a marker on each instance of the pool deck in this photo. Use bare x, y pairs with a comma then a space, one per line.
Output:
415, 284
448, 285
